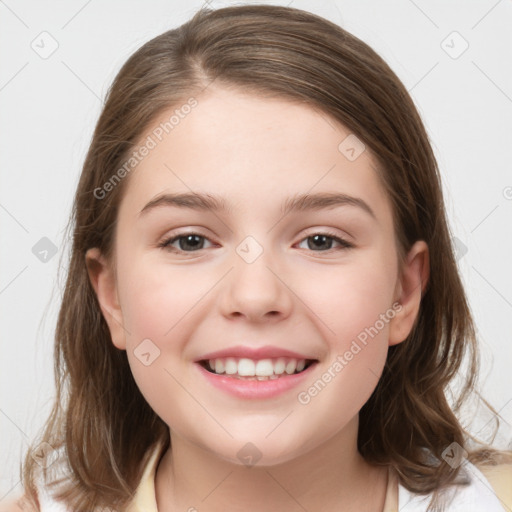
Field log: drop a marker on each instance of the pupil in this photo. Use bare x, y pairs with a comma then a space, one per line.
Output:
320, 238
187, 239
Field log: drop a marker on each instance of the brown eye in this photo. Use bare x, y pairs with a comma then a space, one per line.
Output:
187, 242
192, 242
322, 242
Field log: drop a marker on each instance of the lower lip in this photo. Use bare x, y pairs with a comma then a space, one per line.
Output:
255, 388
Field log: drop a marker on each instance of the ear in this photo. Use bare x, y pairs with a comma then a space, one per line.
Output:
411, 283
103, 281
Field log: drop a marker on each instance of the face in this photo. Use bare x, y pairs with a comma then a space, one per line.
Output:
262, 283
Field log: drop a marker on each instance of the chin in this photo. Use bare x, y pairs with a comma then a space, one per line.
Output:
260, 452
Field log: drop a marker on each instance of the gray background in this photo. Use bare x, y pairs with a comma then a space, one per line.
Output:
49, 107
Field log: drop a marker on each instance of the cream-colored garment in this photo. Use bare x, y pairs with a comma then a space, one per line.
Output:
490, 491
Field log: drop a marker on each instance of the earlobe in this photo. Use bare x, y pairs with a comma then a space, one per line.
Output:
411, 284
104, 283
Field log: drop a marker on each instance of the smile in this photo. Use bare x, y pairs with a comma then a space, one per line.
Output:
251, 379
256, 369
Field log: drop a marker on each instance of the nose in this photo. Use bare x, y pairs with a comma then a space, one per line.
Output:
257, 291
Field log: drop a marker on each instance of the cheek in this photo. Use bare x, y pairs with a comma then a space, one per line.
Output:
159, 305
352, 307
157, 298
349, 298
357, 352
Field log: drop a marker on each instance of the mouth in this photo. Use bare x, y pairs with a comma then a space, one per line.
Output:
256, 369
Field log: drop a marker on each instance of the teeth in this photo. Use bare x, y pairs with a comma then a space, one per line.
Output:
246, 368
262, 369
291, 366
279, 366
231, 366
219, 366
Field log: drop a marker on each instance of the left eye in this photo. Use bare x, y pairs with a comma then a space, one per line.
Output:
191, 242
321, 239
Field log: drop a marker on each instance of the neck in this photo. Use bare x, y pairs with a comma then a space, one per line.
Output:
333, 476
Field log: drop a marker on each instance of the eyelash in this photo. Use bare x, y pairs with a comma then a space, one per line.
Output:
166, 243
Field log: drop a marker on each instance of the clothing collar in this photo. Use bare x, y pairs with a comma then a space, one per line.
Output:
144, 499
477, 495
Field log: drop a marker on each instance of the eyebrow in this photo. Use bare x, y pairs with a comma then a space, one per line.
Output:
297, 203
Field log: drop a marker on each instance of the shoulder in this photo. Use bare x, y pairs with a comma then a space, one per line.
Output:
15, 505
479, 487
500, 478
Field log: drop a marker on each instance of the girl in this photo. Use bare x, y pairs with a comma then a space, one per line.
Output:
263, 310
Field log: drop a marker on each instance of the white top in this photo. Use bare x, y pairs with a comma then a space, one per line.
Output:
478, 496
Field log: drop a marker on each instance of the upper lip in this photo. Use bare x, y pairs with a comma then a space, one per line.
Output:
267, 352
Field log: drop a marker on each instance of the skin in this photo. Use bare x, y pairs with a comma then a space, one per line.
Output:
256, 152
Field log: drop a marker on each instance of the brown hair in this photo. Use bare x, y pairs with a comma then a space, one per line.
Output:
100, 419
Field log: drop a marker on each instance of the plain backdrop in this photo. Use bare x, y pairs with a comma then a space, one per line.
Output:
58, 59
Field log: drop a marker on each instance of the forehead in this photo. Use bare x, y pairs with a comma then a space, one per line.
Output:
254, 151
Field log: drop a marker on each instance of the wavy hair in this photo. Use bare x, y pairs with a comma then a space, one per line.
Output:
100, 421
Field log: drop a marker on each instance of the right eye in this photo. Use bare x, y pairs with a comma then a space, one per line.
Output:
187, 242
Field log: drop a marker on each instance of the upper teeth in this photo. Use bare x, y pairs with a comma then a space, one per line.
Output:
259, 368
